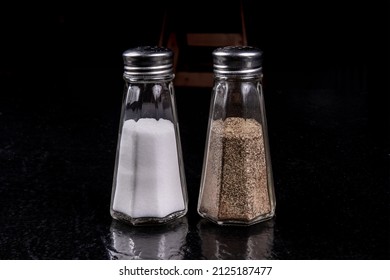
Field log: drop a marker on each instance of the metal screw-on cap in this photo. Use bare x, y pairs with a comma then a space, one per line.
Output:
150, 62
239, 60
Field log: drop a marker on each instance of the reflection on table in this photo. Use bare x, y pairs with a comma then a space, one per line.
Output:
160, 242
236, 242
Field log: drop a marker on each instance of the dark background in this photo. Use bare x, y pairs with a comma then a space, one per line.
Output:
326, 89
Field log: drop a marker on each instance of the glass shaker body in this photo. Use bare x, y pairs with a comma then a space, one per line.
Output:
237, 182
149, 184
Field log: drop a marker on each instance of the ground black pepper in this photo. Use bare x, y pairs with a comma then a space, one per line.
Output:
236, 185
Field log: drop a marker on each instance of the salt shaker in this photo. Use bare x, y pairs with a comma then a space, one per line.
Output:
149, 184
237, 183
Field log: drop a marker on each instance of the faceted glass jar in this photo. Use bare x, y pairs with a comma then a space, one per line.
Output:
149, 183
237, 182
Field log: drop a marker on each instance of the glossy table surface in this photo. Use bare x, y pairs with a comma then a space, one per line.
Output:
57, 155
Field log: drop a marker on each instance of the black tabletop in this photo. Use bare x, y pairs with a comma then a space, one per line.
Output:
57, 160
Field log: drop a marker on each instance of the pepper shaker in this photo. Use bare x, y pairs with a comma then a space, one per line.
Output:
237, 185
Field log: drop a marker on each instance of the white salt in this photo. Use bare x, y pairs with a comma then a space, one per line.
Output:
148, 178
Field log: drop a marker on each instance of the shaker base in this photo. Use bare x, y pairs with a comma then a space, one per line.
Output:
227, 222
147, 220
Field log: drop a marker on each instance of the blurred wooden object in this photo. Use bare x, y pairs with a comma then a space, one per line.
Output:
184, 42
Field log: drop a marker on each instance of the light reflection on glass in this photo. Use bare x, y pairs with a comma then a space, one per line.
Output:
253, 242
162, 242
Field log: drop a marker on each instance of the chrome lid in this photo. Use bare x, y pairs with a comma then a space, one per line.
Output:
232, 60
149, 62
